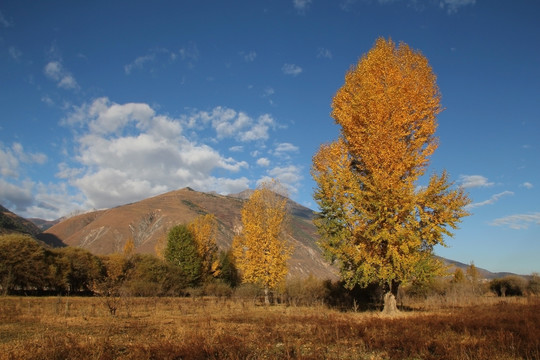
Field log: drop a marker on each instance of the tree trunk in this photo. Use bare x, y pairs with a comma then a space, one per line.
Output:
390, 304
266, 296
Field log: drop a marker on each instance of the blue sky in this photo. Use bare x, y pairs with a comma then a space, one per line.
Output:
103, 103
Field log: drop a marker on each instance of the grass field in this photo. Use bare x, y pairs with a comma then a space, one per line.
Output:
209, 328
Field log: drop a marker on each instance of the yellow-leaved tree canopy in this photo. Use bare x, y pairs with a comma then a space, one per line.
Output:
376, 219
260, 248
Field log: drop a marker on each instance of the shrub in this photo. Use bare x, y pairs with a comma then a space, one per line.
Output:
534, 284
511, 285
218, 288
306, 291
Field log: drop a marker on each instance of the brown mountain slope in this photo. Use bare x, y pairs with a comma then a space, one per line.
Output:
106, 231
12, 223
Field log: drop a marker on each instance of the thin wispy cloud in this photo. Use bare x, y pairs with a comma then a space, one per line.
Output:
14, 53
452, 6
5, 22
492, 200
518, 221
55, 71
139, 63
291, 69
324, 53
248, 56
301, 5
160, 57
474, 181
527, 185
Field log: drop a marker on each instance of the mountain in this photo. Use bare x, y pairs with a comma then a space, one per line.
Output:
483, 273
44, 224
146, 221
12, 223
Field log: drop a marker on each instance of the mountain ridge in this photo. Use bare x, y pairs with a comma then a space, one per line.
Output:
105, 231
147, 221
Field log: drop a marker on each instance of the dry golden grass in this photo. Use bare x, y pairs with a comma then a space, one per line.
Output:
185, 328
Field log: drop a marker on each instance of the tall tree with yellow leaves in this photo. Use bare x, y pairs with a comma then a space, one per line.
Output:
261, 249
375, 220
204, 230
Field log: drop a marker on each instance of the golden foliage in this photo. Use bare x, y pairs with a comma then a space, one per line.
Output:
129, 248
204, 230
375, 220
261, 249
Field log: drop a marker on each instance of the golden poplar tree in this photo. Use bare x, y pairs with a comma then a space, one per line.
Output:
261, 249
375, 220
204, 230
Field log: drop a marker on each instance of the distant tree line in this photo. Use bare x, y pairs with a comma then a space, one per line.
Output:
29, 267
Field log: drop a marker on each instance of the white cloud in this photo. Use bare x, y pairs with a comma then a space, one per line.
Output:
291, 69
301, 5
16, 197
236, 148
492, 200
472, 181
11, 159
55, 71
289, 176
518, 222
283, 149
229, 123
126, 152
264, 162
452, 6
527, 185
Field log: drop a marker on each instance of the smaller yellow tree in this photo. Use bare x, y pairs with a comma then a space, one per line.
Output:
261, 249
204, 230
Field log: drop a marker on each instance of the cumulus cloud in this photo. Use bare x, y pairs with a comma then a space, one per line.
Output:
289, 176
472, 181
229, 123
264, 162
284, 149
291, 69
16, 197
127, 152
12, 158
55, 71
492, 200
518, 221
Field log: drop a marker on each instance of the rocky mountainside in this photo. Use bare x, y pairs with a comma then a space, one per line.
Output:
146, 221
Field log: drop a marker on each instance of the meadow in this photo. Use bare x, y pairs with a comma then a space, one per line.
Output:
214, 328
